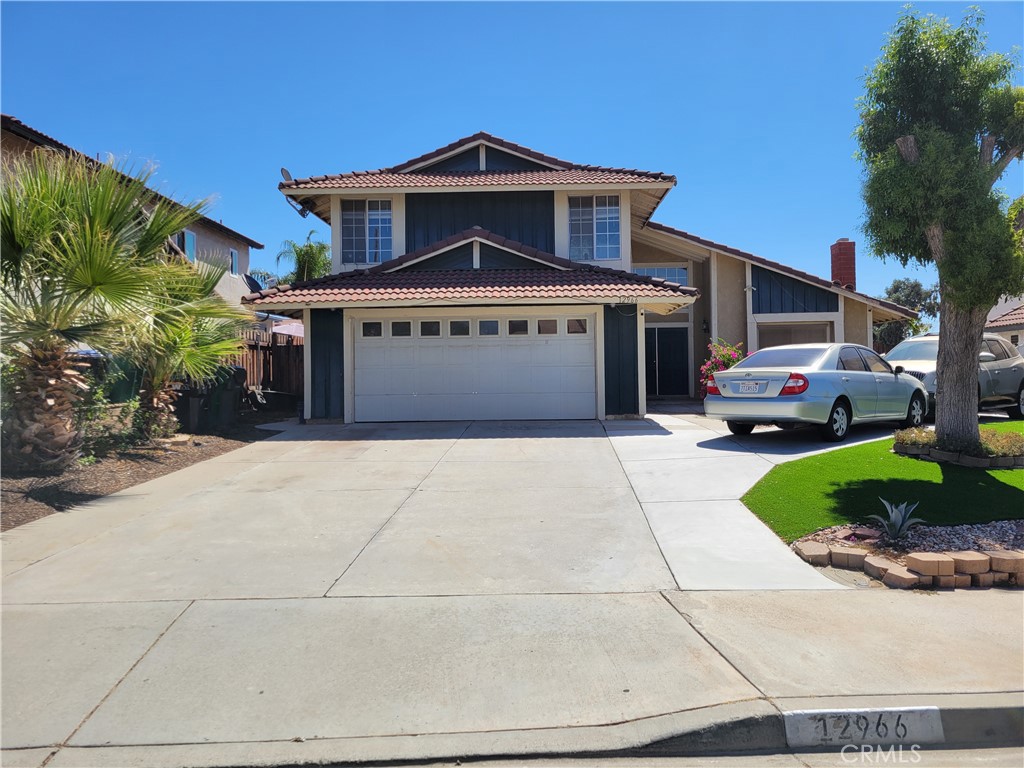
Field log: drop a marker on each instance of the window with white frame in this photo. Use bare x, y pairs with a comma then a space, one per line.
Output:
676, 275
594, 228
234, 261
365, 231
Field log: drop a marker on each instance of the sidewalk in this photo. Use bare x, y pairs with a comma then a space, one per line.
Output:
170, 626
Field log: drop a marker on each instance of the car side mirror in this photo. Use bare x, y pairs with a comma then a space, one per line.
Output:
986, 357
898, 370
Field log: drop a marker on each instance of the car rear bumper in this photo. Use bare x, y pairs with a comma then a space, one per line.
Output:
814, 410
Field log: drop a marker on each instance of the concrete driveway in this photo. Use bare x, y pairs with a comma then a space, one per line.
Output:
426, 509
381, 592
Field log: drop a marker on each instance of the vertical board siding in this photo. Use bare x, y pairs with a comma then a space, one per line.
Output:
460, 257
326, 348
621, 395
775, 293
496, 258
463, 161
498, 160
526, 217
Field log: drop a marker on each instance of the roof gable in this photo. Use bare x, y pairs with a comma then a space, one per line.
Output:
432, 158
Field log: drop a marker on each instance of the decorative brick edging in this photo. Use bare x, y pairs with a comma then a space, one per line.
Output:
949, 570
949, 457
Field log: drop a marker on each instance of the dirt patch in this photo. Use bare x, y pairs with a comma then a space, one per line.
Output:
24, 498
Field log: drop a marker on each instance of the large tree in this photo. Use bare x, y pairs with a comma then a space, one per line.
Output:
83, 243
912, 294
940, 123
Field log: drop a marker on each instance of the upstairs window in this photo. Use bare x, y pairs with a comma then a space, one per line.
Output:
234, 261
594, 228
187, 243
672, 274
365, 231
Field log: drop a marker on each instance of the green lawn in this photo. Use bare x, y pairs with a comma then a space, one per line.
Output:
844, 486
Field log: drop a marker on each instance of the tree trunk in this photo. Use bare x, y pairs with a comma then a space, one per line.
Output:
39, 431
156, 412
956, 412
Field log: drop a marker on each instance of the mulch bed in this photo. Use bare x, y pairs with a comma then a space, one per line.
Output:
25, 498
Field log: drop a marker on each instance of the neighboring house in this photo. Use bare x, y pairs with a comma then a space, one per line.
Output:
208, 240
1010, 322
485, 280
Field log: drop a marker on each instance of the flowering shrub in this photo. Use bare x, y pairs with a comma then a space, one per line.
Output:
723, 356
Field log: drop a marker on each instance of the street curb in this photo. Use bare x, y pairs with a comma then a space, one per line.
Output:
737, 728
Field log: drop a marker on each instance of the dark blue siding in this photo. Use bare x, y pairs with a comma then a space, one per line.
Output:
621, 392
325, 346
464, 161
457, 258
504, 161
774, 292
526, 217
496, 258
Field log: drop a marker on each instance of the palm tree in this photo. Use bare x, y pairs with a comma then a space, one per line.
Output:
188, 335
311, 259
82, 244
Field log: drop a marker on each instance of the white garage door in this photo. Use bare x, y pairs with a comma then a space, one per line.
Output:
453, 368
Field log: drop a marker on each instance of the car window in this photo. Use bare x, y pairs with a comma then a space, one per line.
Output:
995, 348
875, 363
850, 360
784, 357
914, 349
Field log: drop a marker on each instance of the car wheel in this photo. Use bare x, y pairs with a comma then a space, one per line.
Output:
838, 425
1017, 411
739, 428
915, 411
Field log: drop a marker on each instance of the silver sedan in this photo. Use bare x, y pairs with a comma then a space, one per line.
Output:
831, 385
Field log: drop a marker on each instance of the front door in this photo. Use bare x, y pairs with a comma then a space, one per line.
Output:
668, 354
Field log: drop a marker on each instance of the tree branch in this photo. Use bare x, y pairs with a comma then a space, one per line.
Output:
936, 242
907, 145
988, 147
1000, 165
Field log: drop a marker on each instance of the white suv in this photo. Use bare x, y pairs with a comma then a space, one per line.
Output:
1000, 370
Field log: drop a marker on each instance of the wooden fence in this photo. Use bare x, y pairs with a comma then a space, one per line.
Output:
273, 361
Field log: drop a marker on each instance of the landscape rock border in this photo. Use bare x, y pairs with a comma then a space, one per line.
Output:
962, 459
931, 570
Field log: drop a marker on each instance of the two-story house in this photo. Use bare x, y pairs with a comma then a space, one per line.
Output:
485, 280
207, 240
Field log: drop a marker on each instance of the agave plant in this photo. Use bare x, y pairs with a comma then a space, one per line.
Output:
899, 521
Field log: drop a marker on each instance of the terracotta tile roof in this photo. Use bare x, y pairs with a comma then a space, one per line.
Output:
385, 179
776, 266
40, 139
566, 280
490, 139
1012, 319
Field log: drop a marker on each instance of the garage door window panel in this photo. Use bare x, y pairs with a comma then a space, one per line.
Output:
518, 327
373, 329
430, 329
489, 327
458, 328
401, 328
547, 327
576, 325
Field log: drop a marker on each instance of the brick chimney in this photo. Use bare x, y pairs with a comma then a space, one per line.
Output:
844, 263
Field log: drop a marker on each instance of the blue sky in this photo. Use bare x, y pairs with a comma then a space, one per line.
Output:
750, 105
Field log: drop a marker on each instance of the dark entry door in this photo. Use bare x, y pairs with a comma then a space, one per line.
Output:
667, 356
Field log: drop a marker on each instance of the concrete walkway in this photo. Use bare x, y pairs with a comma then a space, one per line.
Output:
431, 591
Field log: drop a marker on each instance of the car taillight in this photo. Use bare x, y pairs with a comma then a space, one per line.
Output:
713, 387
795, 385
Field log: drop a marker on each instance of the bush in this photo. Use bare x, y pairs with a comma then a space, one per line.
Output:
723, 356
992, 443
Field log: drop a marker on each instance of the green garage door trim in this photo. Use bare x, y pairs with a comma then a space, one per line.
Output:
621, 374
327, 363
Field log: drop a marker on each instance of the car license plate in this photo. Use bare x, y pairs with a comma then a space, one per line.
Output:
749, 387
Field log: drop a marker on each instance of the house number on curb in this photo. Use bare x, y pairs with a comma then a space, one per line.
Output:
839, 727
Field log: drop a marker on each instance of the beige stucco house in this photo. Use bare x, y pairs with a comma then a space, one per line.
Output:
208, 241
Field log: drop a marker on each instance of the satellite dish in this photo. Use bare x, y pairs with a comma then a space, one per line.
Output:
285, 175
272, 282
